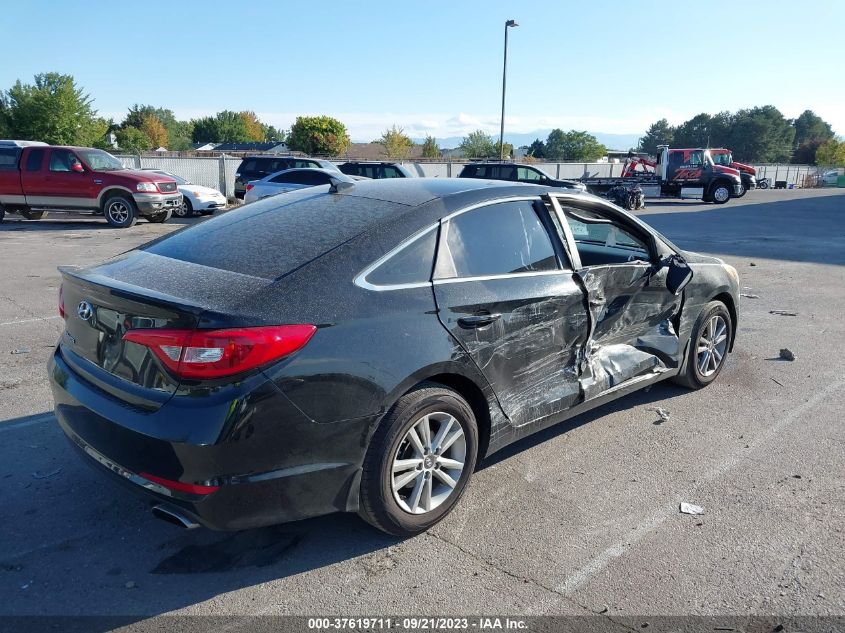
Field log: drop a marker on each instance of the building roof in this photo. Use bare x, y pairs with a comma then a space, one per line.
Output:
266, 146
375, 151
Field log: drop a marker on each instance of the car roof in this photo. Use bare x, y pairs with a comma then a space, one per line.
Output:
417, 191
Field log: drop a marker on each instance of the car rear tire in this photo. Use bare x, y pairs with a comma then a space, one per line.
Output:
185, 210
32, 215
120, 212
419, 461
720, 192
711, 337
158, 218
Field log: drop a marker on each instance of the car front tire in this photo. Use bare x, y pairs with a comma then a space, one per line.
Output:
419, 461
708, 350
720, 193
120, 212
185, 210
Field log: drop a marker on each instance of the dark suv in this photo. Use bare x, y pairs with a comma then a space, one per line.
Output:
256, 167
375, 169
515, 172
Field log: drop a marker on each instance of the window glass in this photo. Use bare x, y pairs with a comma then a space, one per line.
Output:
502, 238
286, 177
305, 163
34, 160
528, 174
61, 160
99, 160
391, 172
247, 166
9, 157
506, 172
603, 243
410, 265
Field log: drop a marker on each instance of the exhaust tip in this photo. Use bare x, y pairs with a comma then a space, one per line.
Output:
174, 516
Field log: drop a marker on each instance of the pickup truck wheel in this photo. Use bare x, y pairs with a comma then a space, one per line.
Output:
720, 193
159, 218
120, 212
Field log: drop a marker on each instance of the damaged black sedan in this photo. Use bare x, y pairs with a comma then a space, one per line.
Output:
361, 347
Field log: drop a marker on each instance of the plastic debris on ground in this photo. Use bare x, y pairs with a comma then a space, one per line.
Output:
689, 508
21, 350
662, 413
783, 313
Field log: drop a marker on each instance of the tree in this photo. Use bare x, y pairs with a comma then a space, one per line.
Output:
396, 145
133, 140
811, 131
53, 109
537, 149
497, 149
761, 135
154, 130
478, 144
831, 153
658, 133
430, 148
573, 146
694, 132
321, 135
254, 129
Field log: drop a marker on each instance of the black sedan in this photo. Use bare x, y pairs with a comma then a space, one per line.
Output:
360, 347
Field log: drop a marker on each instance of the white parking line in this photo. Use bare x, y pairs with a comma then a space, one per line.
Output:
33, 320
580, 577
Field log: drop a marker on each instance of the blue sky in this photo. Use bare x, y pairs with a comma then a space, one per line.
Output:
434, 66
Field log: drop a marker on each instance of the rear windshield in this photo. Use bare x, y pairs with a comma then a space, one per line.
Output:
266, 165
269, 239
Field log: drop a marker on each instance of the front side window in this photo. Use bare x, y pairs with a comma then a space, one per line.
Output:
499, 239
525, 174
62, 160
99, 160
601, 241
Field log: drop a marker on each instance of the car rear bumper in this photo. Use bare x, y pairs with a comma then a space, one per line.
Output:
150, 203
268, 462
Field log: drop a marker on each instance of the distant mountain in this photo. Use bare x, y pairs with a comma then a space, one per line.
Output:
611, 141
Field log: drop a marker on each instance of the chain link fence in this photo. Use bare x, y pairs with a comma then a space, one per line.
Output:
219, 172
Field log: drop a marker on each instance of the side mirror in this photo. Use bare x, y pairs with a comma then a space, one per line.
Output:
78, 168
678, 276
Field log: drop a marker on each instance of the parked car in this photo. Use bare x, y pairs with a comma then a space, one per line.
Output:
829, 178
291, 180
195, 198
516, 172
375, 169
39, 178
384, 338
257, 167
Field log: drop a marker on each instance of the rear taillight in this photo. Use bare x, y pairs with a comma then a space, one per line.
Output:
248, 187
62, 301
204, 354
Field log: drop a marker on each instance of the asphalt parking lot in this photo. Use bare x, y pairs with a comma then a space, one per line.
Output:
580, 519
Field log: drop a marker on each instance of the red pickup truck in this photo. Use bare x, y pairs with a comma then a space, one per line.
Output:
35, 178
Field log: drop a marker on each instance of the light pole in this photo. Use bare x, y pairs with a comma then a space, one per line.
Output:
508, 25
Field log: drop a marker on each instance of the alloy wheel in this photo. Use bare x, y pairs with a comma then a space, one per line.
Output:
721, 194
712, 345
428, 463
118, 212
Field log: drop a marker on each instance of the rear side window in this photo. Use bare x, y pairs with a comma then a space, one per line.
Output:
412, 264
305, 163
34, 160
499, 239
284, 178
9, 157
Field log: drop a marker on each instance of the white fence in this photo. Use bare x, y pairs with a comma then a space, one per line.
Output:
219, 172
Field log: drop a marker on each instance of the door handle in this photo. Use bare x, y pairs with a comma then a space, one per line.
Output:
478, 320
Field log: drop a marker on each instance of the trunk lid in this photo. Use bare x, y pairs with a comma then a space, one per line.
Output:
137, 291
